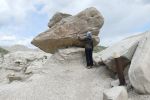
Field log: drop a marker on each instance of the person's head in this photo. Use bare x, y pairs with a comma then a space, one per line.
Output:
89, 34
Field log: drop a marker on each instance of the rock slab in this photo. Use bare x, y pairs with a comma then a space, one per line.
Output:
139, 71
125, 49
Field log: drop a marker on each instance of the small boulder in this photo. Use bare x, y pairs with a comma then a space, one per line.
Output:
13, 77
116, 93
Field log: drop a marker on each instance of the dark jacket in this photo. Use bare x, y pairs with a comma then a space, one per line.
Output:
88, 43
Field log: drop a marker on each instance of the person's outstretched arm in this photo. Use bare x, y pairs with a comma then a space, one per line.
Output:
82, 38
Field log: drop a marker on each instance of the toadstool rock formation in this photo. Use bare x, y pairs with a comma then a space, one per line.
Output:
65, 29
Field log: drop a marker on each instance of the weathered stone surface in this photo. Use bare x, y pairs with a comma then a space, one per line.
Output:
13, 77
57, 18
62, 81
69, 55
116, 93
65, 32
22, 64
125, 49
139, 71
68, 80
115, 83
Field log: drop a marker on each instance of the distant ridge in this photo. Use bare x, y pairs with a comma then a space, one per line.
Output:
3, 51
17, 47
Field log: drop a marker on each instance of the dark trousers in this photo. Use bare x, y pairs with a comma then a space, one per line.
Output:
89, 59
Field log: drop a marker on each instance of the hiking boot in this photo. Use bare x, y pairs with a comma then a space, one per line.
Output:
88, 67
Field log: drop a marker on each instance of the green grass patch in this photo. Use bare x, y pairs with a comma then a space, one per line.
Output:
3, 51
99, 48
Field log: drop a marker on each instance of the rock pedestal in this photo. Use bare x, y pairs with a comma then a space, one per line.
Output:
71, 55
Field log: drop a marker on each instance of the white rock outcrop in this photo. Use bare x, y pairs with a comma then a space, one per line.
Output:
64, 77
139, 71
21, 64
124, 48
116, 93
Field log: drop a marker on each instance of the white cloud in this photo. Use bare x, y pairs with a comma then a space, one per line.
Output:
7, 37
13, 16
15, 11
108, 41
24, 41
122, 17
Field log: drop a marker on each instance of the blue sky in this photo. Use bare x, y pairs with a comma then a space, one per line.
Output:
22, 20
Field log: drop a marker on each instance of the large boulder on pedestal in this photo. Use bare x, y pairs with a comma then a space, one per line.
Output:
64, 31
125, 49
139, 71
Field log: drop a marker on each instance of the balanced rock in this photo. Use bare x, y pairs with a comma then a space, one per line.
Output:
116, 93
65, 29
125, 49
139, 71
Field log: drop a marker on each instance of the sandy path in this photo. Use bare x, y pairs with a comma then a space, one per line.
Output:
71, 81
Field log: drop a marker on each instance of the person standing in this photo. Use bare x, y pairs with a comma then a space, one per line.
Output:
88, 41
